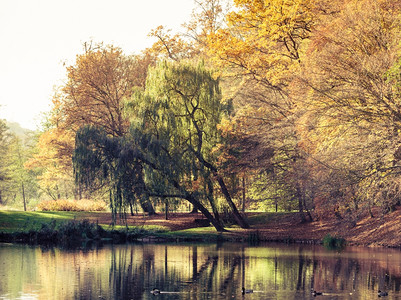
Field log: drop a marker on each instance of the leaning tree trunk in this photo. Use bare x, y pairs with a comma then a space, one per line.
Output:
205, 212
238, 217
194, 210
147, 206
212, 202
144, 201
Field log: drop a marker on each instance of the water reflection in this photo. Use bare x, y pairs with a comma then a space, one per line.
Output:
197, 272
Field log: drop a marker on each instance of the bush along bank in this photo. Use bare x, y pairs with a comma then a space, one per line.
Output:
70, 233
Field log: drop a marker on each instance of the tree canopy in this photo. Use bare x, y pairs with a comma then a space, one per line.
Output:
283, 104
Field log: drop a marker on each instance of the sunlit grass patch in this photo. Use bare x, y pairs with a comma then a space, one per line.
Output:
11, 221
144, 228
265, 217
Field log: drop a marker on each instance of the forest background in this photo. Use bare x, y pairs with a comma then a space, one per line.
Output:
275, 105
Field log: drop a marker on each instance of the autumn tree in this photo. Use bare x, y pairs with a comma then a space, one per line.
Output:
263, 48
52, 162
169, 46
101, 78
351, 79
207, 17
96, 85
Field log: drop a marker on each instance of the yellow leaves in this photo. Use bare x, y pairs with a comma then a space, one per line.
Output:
55, 149
265, 38
225, 127
169, 46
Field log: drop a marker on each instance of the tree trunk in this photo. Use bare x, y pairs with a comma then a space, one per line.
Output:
194, 210
147, 206
243, 194
211, 200
300, 204
144, 201
240, 220
23, 195
205, 212
306, 208
166, 208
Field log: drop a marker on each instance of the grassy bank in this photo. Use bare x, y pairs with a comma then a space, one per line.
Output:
45, 227
380, 230
67, 228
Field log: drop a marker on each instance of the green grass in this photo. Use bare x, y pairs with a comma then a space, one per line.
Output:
266, 217
147, 228
64, 228
12, 221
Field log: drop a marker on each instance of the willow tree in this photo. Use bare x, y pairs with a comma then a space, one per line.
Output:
174, 129
109, 162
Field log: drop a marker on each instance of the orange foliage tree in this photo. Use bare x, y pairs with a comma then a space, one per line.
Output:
101, 78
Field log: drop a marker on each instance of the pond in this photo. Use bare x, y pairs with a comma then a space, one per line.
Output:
198, 271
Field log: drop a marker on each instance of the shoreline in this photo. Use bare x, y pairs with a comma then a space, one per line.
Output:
380, 231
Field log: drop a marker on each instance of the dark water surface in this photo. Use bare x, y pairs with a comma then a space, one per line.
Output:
198, 271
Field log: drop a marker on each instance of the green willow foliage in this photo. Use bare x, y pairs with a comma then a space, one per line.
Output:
179, 111
177, 117
102, 160
169, 149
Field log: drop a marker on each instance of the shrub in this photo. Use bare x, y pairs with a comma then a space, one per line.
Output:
79, 230
72, 205
333, 243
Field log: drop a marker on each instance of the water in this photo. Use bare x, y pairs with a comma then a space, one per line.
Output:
197, 271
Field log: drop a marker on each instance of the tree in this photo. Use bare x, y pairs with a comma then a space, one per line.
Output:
97, 84
4, 159
168, 46
351, 92
101, 78
264, 45
17, 185
207, 17
110, 162
23, 180
173, 134
52, 162
182, 107
264, 40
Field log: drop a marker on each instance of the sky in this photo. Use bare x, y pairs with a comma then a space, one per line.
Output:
39, 38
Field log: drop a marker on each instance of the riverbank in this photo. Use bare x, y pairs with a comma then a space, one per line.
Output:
279, 227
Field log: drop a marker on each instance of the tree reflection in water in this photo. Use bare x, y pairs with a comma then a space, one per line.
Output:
189, 271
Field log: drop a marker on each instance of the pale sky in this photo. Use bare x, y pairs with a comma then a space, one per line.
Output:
38, 36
